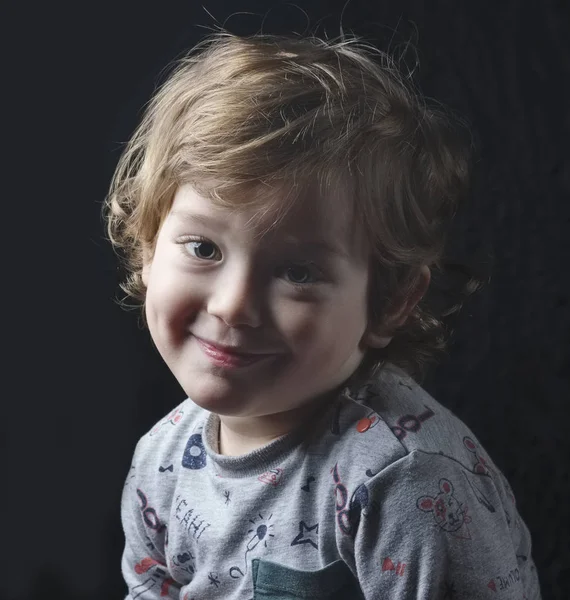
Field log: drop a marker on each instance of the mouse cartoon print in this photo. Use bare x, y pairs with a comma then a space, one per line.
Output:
448, 512
481, 465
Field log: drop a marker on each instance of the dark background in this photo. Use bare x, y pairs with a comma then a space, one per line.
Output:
82, 380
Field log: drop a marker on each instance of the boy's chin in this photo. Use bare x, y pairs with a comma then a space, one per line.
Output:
218, 397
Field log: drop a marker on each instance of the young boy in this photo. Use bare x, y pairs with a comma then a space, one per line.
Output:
280, 207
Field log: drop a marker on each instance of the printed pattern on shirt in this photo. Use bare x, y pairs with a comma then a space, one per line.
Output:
292, 513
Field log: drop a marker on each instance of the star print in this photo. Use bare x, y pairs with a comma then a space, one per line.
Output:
303, 529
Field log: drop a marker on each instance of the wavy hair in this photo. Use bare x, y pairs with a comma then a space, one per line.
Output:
270, 112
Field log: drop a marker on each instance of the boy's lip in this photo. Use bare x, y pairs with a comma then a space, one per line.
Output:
235, 350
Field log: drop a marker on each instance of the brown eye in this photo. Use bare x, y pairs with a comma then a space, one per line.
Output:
302, 275
298, 274
203, 250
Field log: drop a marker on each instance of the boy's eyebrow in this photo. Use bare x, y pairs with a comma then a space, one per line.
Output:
184, 215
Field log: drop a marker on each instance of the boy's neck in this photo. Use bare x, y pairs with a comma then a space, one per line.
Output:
236, 441
241, 435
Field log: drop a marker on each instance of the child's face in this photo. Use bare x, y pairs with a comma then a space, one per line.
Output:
295, 298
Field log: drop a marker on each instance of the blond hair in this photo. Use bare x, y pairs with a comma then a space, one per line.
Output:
240, 114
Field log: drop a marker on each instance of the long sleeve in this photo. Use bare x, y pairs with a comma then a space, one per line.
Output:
144, 564
429, 528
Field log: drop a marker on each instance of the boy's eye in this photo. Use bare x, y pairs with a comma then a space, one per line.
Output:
203, 250
300, 274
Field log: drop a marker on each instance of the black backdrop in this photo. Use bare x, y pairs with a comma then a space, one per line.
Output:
82, 380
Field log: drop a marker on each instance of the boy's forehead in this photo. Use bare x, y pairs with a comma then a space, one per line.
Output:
311, 215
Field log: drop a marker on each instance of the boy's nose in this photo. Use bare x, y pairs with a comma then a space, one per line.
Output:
235, 301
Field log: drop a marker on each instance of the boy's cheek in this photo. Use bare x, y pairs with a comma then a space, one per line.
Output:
321, 340
299, 324
145, 274
171, 309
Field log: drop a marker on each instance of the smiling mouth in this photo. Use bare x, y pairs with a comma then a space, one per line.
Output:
230, 359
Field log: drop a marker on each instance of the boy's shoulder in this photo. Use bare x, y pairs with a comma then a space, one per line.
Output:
160, 448
416, 420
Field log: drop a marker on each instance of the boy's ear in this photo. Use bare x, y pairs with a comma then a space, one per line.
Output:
381, 335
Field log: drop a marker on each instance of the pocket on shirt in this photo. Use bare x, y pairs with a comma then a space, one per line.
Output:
272, 581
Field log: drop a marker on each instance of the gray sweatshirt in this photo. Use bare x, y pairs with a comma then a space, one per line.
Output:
384, 494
